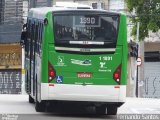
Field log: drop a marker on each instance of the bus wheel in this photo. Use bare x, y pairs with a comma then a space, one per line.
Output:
31, 100
101, 110
40, 106
111, 110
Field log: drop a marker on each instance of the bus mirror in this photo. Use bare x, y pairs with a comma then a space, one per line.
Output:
45, 21
23, 37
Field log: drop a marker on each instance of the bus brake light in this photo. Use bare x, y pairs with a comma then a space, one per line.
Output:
117, 74
51, 72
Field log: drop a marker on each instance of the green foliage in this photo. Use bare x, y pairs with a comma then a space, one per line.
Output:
147, 13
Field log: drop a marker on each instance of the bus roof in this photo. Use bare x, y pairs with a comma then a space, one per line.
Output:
40, 13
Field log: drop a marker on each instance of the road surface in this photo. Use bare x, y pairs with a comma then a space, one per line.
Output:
18, 104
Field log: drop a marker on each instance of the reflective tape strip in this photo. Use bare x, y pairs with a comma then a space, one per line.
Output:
86, 42
86, 49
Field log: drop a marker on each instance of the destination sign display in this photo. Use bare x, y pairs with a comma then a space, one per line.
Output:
87, 20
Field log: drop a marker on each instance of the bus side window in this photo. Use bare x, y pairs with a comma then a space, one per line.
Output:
41, 36
36, 37
28, 37
32, 39
37, 46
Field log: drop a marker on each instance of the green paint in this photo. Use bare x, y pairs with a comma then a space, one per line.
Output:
68, 69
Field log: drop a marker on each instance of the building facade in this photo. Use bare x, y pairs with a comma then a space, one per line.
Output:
11, 13
152, 66
11, 20
39, 3
96, 4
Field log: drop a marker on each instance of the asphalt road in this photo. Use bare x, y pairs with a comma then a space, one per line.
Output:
19, 105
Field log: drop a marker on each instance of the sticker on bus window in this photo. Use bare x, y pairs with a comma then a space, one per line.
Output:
59, 79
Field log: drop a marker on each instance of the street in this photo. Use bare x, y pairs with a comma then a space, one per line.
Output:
18, 104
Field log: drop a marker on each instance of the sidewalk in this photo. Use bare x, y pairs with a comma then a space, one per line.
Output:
140, 106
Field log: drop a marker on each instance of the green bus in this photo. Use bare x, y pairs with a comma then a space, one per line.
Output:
76, 54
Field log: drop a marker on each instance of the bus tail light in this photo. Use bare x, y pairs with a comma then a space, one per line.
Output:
51, 72
117, 74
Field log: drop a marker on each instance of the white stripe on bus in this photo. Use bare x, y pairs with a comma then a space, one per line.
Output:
86, 49
86, 42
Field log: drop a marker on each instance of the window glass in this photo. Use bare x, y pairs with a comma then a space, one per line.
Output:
86, 28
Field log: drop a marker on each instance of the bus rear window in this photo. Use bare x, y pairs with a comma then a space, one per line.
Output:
77, 28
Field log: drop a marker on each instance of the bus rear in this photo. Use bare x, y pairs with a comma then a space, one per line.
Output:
87, 59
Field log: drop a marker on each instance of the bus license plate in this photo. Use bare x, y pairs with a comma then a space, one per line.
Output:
84, 75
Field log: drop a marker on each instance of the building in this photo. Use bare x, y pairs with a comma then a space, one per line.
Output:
39, 3
117, 5
11, 20
96, 4
152, 65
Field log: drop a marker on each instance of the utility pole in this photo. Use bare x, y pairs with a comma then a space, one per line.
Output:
141, 69
137, 41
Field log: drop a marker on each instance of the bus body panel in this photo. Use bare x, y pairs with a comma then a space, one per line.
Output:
101, 67
94, 93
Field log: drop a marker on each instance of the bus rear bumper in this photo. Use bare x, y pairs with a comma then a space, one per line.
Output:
92, 93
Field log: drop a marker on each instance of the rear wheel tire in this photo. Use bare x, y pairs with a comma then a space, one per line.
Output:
111, 110
40, 106
31, 100
101, 110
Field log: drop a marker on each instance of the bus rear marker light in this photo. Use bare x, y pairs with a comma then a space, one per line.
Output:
116, 86
51, 84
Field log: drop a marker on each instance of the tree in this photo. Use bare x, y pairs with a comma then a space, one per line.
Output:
147, 13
